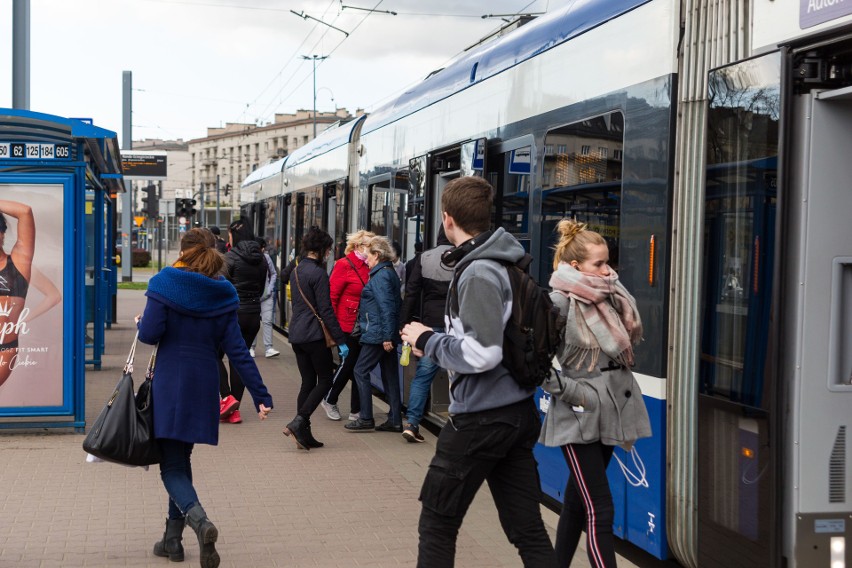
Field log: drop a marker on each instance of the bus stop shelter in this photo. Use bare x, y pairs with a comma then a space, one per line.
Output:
58, 182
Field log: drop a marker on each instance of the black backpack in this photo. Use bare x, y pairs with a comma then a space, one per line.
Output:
535, 329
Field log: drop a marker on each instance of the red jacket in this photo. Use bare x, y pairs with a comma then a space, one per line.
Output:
346, 286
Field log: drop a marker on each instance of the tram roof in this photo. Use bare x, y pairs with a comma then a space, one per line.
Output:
265, 172
100, 144
496, 56
329, 139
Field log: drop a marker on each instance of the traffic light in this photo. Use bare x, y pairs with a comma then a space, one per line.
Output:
150, 203
185, 208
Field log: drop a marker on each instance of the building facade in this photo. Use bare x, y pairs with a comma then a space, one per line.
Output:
220, 161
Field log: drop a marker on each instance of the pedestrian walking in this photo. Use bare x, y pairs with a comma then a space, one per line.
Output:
221, 245
425, 300
596, 403
246, 269
493, 423
378, 317
312, 313
190, 314
347, 281
267, 304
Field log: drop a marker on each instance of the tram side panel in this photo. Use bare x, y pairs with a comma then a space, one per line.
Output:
818, 515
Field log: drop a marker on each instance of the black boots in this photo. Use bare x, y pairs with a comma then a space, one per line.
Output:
299, 428
207, 534
312, 442
170, 546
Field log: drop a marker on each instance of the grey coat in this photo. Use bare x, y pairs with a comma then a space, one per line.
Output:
587, 406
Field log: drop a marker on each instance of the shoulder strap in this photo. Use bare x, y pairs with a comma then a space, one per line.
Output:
358, 274
305, 298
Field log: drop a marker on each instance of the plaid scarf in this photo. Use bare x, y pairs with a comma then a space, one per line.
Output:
602, 316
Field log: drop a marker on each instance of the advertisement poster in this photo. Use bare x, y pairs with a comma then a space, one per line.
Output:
31, 313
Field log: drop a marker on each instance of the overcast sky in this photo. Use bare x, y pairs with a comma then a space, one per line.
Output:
200, 63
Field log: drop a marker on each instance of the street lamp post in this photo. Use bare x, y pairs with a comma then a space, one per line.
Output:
315, 58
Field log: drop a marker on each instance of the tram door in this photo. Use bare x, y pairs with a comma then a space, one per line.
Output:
817, 337
737, 470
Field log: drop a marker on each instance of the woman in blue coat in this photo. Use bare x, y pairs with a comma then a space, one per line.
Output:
378, 317
191, 313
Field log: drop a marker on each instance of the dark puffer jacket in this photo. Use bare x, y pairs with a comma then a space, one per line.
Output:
427, 286
246, 270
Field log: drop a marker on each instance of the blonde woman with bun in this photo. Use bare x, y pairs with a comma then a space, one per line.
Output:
596, 403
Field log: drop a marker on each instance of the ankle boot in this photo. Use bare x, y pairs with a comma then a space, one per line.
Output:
309, 437
207, 534
296, 428
171, 546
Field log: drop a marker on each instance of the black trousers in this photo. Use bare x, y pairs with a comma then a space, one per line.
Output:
317, 369
495, 446
588, 505
344, 375
249, 325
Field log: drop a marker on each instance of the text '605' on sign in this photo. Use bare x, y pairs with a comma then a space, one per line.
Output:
33, 150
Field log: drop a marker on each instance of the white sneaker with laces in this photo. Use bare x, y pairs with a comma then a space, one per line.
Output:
354, 416
331, 410
272, 352
251, 351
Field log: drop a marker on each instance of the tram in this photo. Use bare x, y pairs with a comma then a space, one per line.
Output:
708, 142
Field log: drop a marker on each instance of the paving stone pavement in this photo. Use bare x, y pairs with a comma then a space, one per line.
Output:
352, 503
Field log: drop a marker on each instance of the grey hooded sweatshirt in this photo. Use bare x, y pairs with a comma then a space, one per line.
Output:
472, 348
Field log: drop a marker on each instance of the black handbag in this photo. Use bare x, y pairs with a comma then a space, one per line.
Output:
124, 430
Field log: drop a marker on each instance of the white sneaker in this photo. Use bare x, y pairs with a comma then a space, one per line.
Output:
251, 351
354, 416
331, 410
272, 352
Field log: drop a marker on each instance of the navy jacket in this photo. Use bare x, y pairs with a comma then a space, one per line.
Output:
304, 326
378, 313
191, 316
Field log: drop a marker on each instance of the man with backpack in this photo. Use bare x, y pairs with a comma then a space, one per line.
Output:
493, 423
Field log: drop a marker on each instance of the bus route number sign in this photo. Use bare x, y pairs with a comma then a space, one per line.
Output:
34, 151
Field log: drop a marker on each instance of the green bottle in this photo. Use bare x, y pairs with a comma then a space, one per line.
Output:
406, 354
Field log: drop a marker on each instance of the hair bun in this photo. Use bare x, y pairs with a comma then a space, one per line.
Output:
569, 228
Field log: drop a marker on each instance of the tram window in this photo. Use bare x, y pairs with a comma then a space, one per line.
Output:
512, 186
739, 234
340, 227
308, 212
378, 207
583, 184
416, 215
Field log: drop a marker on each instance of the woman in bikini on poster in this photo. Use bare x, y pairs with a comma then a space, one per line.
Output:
16, 275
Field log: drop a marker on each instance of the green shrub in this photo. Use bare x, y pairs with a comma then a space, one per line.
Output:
141, 257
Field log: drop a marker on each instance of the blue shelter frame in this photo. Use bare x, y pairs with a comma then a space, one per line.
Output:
60, 175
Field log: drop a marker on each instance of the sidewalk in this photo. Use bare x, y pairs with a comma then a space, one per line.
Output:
352, 503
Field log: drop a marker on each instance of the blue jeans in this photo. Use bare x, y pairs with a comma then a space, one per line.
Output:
176, 473
370, 356
420, 387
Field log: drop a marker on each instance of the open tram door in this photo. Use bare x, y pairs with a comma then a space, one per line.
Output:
737, 407
815, 363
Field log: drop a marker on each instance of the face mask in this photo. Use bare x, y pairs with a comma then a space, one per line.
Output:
361, 255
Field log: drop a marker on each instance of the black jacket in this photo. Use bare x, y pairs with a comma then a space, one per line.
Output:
246, 268
426, 288
304, 326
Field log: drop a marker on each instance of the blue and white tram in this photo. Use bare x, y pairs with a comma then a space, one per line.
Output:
706, 141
